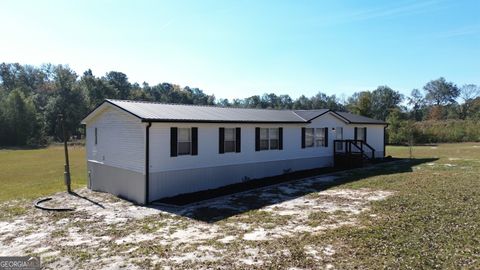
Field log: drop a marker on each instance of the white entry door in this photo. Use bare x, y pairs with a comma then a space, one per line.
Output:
339, 136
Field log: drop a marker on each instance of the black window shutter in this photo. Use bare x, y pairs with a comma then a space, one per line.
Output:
173, 141
257, 139
355, 133
326, 137
221, 140
194, 141
303, 137
280, 138
238, 140
365, 134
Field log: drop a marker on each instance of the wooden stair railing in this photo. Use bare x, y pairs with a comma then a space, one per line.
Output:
352, 148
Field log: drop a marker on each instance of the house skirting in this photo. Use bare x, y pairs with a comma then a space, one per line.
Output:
121, 182
171, 183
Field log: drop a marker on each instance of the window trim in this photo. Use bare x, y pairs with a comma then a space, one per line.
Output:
316, 132
237, 135
269, 139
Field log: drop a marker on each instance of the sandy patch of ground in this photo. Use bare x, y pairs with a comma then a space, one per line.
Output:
107, 233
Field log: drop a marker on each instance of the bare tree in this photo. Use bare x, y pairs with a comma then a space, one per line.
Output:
469, 92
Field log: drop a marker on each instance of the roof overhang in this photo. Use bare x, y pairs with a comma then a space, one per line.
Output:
106, 103
102, 107
357, 123
220, 121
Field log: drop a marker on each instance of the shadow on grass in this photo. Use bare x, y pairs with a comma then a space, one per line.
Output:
217, 204
87, 199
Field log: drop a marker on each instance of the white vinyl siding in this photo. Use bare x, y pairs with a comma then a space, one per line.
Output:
208, 154
119, 140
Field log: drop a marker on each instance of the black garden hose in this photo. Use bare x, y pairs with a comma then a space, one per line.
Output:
37, 205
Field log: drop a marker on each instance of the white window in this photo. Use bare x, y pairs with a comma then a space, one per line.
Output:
320, 137
309, 133
230, 140
264, 139
273, 136
269, 138
184, 141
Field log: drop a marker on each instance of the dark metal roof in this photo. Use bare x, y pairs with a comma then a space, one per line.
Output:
359, 119
309, 115
161, 112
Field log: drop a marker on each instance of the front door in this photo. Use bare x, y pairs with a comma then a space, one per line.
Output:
339, 136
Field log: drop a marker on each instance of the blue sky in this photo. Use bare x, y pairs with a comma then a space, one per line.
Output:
241, 48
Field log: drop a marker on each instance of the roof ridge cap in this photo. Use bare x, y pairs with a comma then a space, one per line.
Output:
195, 105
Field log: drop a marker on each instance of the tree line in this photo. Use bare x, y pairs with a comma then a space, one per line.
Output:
32, 97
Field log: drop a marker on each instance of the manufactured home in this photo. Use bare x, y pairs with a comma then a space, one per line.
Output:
145, 151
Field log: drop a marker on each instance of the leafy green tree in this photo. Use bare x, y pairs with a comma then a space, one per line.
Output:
270, 101
223, 102
474, 108
137, 93
440, 92
68, 100
400, 130
253, 102
236, 102
96, 90
198, 97
285, 102
384, 99
9, 75
119, 82
302, 103
417, 102
18, 117
361, 103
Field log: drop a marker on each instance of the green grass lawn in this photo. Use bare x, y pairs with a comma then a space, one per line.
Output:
30, 174
433, 220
